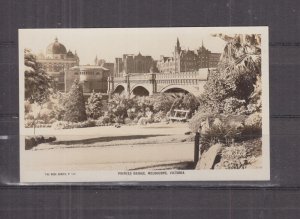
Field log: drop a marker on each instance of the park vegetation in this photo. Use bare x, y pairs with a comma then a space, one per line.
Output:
230, 107
228, 111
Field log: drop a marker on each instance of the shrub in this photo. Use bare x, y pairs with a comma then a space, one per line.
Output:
45, 115
29, 123
27, 107
75, 106
60, 125
196, 121
224, 133
94, 106
32, 141
234, 106
131, 113
52, 121
118, 106
128, 121
253, 127
254, 120
43, 125
72, 125
58, 107
29, 116
162, 102
190, 102
103, 120
216, 128
233, 157
160, 116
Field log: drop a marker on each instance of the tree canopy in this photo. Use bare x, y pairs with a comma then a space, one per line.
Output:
75, 104
237, 74
37, 81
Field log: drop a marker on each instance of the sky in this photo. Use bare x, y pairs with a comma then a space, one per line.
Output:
109, 43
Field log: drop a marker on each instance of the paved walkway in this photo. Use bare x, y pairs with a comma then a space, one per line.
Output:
108, 158
110, 148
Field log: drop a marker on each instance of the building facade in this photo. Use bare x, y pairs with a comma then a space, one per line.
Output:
188, 60
133, 64
56, 62
91, 77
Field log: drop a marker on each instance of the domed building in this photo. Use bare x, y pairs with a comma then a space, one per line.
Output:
56, 62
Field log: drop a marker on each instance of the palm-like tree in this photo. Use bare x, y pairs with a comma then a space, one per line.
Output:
242, 54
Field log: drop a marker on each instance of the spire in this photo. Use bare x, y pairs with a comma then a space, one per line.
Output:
178, 43
177, 47
96, 60
202, 44
56, 40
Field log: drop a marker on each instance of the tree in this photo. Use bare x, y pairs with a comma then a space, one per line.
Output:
75, 104
94, 106
118, 106
237, 72
37, 81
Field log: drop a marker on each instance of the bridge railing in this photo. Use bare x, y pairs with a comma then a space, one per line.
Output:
202, 74
181, 75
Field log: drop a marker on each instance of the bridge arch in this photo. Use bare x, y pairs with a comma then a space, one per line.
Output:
119, 89
179, 89
140, 90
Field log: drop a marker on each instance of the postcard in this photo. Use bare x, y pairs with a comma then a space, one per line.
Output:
144, 104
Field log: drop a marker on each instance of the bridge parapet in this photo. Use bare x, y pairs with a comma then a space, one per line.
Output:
181, 75
119, 80
159, 82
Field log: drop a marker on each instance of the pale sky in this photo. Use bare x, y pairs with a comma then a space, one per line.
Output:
109, 43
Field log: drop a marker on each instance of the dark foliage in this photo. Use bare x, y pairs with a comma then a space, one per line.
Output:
74, 104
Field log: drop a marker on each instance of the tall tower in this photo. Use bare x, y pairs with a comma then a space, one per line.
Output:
177, 56
96, 60
177, 47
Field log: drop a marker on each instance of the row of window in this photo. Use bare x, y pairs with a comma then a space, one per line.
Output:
87, 73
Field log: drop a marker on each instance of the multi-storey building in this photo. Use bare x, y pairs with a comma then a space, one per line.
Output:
188, 60
133, 64
92, 77
63, 66
56, 62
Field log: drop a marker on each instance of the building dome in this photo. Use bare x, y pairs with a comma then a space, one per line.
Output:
70, 54
56, 48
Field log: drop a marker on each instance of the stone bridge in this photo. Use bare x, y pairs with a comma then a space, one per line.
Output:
145, 84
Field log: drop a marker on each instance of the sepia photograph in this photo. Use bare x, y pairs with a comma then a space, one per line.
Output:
144, 104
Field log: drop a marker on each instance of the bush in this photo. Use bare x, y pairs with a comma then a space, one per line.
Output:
94, 106
233, 157
128, 121
103, 120
253, 127
159, 117
254, 120
223, 133
43, 125
45, 115
197, 120
118, 106
58, 101
162, 102
29, 116
72, 125
29, 123
217, 128
27, 107
32, 141
75, 106
234, 106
